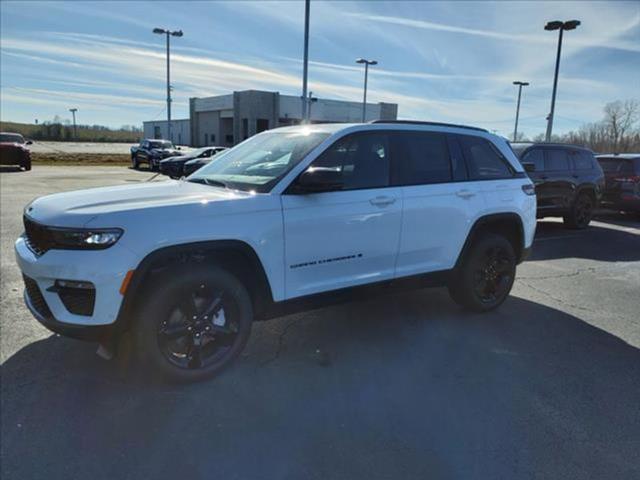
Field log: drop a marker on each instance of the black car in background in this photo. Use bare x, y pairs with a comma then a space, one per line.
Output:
569, 181
622, 181
196, 164
174, 166
152, 152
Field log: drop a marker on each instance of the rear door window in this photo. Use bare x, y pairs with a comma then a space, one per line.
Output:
484, 161
557, 160
536, 157
420, 158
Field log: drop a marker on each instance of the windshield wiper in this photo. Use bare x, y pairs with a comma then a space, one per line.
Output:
207, 181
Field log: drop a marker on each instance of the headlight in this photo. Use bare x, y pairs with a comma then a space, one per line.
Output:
85, 239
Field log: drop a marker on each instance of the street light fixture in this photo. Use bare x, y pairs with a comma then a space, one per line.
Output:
515, 130
366, 74
75, 131
168, 33
561, 27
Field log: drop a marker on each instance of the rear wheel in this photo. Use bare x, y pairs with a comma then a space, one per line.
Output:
27, 166
486, 275
194, 324
581, 212
134, 162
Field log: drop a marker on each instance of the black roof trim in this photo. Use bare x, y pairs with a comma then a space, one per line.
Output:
433, 124
551, 144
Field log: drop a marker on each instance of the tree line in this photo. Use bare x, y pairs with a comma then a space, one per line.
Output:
62, 131
617, 132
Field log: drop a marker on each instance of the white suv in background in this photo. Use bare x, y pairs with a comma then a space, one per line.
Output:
289, 214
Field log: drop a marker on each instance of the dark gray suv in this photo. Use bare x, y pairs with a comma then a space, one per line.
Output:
569, 181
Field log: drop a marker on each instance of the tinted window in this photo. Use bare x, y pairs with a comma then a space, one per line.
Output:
557, 160
609, 165
363, 160
535, 156
582, 160
420, 158
484, 161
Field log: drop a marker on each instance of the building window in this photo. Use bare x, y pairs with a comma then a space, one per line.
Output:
206, 139
229, 139
179, 139
262, 124
245, 128
156, 132
213, 139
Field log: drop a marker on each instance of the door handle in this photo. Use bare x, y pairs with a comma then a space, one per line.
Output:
382, 201
465, 193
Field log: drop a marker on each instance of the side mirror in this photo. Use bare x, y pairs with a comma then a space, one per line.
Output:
179, 148
28, 142
318, 179
529, 167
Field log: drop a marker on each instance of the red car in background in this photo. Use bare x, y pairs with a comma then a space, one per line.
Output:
13, 150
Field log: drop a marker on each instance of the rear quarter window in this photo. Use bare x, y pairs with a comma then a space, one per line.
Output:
536, 157
582, 160
484, 160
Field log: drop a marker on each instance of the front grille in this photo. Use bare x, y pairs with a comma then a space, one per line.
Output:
38, 237
79, 301
35, 297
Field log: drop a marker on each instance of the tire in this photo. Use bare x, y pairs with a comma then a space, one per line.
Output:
173, 334
485, 277
27, 166
134, 162
581, 213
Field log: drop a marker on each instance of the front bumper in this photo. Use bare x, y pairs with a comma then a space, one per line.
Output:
171, 169
106, 269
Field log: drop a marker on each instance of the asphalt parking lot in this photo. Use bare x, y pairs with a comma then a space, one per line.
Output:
402, 386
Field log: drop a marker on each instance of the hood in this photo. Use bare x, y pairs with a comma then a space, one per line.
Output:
166, 151
125, 203
179, 158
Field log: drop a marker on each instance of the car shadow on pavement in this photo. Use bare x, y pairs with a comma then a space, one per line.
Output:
553, 240
6, 169
403, 386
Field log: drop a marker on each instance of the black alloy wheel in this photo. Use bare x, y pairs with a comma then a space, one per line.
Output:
494, 275
200, 329
485, 275
193, 322
581, 214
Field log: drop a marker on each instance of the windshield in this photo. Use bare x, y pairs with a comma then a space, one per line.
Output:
162, 144
11, 138
258, 163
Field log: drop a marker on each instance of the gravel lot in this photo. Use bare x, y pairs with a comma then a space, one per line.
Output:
405, 386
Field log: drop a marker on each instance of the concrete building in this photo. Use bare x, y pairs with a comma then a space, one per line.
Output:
180, 130
228, 119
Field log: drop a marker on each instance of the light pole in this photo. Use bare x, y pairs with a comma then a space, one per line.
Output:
305, 67
75, 131
515, 130
366, 75
168, 33
561, 26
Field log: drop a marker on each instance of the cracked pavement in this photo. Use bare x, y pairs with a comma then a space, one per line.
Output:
400, 386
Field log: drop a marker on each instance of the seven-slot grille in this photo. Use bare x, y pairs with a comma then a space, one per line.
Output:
38, 237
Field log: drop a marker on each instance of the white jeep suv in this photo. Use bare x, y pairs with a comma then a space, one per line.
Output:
289, 214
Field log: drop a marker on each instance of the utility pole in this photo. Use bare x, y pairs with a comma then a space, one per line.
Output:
168, 33
562, 26
305, 67
366, 76
75, 131
515, 130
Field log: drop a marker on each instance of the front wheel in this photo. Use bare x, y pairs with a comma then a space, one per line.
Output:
485, 277
581, 213
194, 323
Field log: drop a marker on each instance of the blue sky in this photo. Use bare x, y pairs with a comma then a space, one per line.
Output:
440, 61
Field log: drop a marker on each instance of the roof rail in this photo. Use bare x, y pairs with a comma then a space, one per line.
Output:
433, 124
